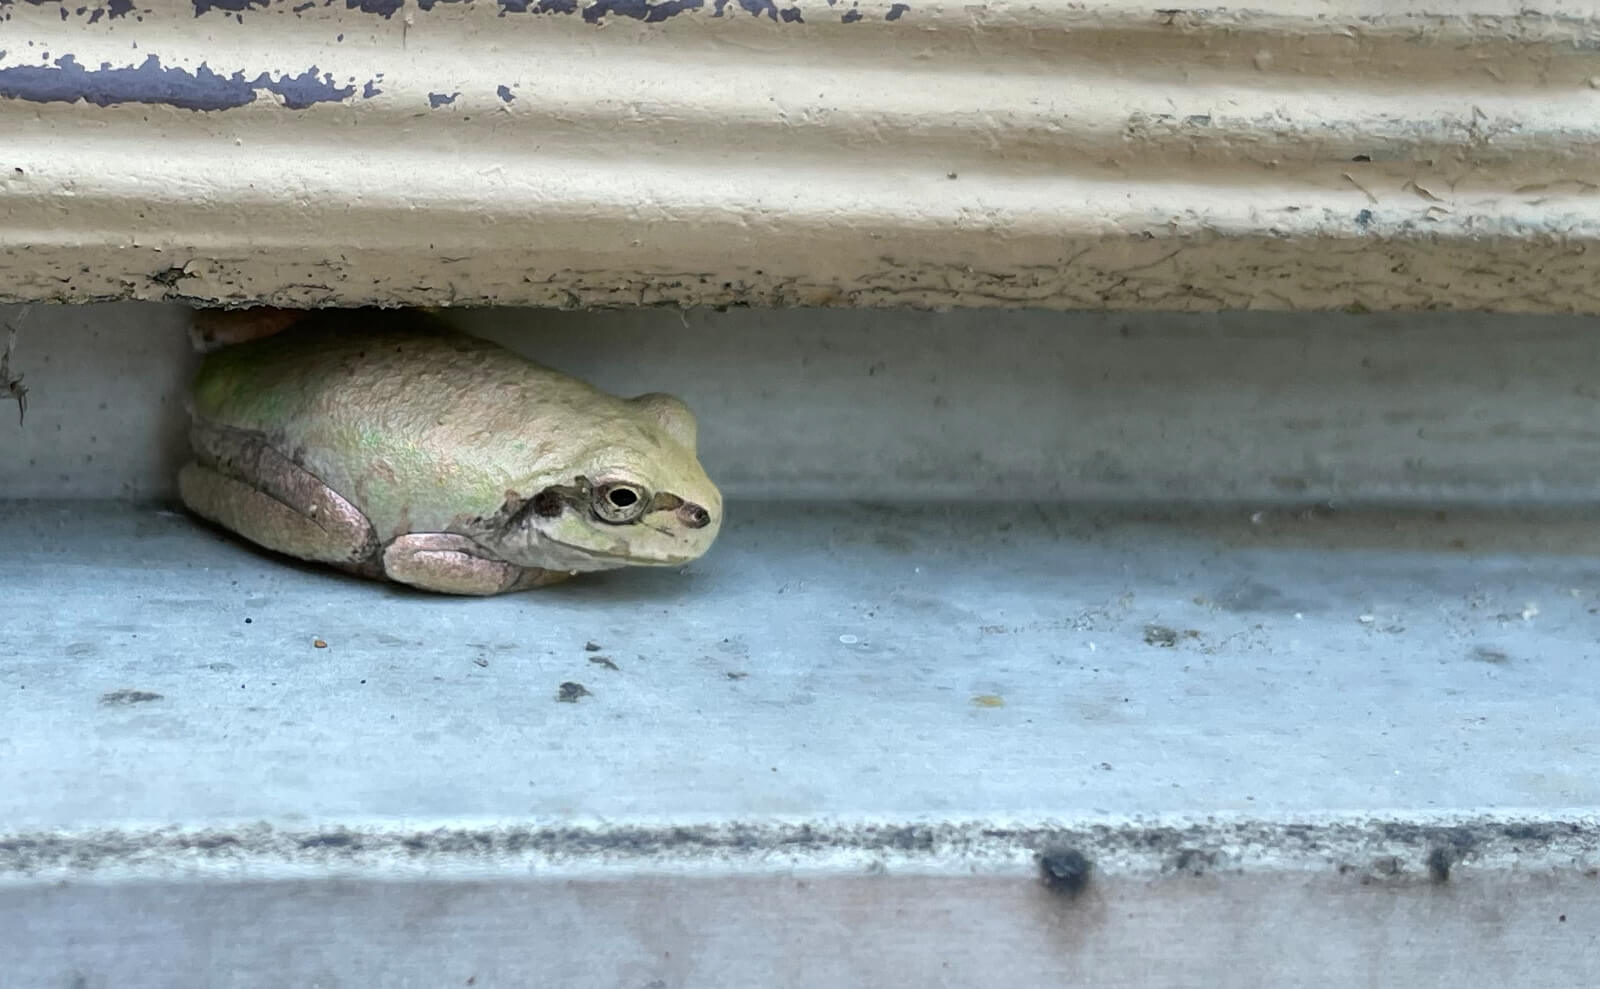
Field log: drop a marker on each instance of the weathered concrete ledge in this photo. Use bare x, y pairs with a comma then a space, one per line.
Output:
1384, 902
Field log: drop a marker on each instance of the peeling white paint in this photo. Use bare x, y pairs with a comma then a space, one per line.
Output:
1325, 154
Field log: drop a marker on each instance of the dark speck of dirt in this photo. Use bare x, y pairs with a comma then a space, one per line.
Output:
1387, 865
481, 662
1440, 859
570, 692
1488, 654
591, 647
247, 621
734, 675
604, 661
1191, 862
1160, 635
1064, 870
122, 698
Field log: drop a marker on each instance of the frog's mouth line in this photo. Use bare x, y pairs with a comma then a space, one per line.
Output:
601, 555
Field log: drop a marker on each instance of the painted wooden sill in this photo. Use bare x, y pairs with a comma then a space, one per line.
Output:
821, 152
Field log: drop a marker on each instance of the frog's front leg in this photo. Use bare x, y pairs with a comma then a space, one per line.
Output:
454, 564
240, 482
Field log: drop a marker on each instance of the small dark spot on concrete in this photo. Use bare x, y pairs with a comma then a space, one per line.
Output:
1064, 870
951, 175
1489, 654
170, 276
850, 17
1364, 218
482, 662
331, 839
370, 90
1362, 158
505, 94
1191, 861
896, 11
1529, 832
1562, 918
1160, 635
591, 646
122, 698
1440, 859
1387, 865
570, 692
1198, 120
791, 15
604, 661
735, 675
247, 621
437, 100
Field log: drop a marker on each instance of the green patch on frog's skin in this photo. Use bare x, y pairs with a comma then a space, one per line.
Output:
425, 430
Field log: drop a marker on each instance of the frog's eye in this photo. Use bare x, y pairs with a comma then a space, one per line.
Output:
618, 503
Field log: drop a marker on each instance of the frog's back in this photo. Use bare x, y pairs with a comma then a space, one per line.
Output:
396, 412
328, 360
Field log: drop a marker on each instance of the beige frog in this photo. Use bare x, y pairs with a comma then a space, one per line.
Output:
388, 445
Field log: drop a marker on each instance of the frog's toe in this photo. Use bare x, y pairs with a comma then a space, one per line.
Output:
453, 564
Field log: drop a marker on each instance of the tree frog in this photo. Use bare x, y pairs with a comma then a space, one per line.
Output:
389, 445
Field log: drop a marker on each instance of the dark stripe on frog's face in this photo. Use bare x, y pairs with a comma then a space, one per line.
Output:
580, 496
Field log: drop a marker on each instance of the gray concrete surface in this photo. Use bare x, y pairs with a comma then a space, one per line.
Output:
824, 660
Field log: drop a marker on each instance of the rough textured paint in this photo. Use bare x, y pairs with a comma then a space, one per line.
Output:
538, 7
386, 8
150, 82
230, 6
639, 10
593, 13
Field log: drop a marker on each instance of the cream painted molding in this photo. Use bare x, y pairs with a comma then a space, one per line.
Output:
1342, 154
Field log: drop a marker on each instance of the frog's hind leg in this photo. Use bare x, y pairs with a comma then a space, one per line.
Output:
240, 482
453, 564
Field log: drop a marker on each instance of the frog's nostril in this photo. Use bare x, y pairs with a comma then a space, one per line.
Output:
694, 516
